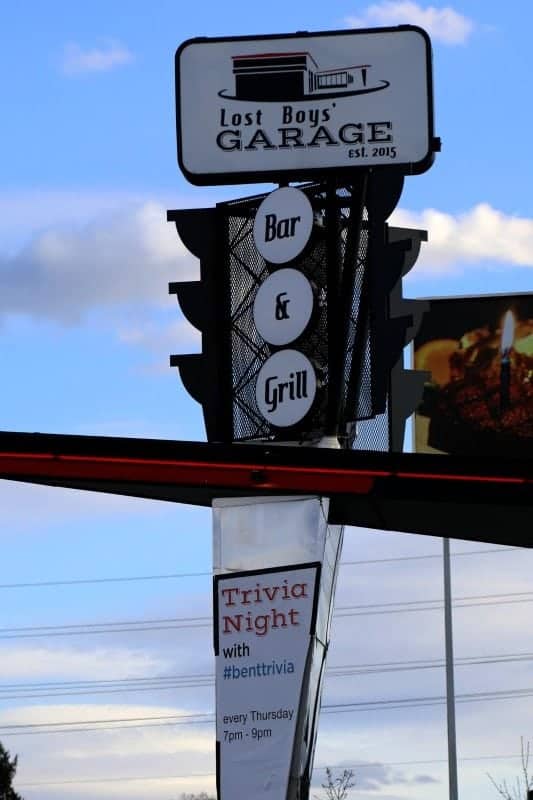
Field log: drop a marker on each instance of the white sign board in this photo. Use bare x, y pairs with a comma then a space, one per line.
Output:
283, 306
286, 388
264, 622
283, 225
256, 108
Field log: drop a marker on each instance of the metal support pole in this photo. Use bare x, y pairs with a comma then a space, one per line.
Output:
335, 326
351, 265
257, 540
450, 688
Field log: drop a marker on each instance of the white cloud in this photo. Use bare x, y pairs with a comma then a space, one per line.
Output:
109, 55
129, 256
443, 24
124, 257
26, 213
482, 234
158, 337
165, 750
100, 663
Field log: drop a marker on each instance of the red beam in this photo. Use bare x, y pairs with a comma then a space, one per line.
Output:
223, 474
477, 498
227, 475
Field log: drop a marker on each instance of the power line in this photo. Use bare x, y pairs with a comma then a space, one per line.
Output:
427, 607
109, 728
168, 623
364, 765
458, 553
91, 628
53, 689
116, 579
104, 681
181, 575
208, 717
178, 719
97, 625
116, 780
438, 600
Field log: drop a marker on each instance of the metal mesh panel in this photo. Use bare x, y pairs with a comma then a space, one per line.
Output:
246, 271
357, 373
339, 277
359, 426
249, 350
373, 434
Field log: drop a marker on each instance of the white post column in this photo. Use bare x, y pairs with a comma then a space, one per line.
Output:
275, 569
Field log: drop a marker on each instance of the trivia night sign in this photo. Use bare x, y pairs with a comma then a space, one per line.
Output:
264, 626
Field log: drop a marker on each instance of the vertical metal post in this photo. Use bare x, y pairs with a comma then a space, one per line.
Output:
450, 687
353, 240
335, 328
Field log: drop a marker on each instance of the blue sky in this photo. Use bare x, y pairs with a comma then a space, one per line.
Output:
87, 171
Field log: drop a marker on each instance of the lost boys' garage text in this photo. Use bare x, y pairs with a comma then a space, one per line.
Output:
313, 129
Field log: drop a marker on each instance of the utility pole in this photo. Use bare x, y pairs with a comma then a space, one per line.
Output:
450, 686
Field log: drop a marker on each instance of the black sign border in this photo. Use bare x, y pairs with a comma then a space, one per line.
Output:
316, 565
280, 175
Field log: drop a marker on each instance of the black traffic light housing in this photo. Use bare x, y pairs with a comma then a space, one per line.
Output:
201, 373
395, 322
222, 378
355, 338
405, 385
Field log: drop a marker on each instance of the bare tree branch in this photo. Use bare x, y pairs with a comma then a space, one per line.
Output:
338, 788
523, 783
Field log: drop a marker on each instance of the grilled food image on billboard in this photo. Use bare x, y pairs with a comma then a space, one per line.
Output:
480, 397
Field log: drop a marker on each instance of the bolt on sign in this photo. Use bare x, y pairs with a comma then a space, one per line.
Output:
264, 628
286, 383
255, 108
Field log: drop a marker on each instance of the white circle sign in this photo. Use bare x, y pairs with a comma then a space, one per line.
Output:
285, 388
283, 225
283, 306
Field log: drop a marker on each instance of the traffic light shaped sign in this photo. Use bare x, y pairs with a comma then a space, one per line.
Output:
396, 321
261, 307
201, 373
275, 280
302, 320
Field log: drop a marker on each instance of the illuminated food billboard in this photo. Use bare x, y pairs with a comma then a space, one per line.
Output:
479, 399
